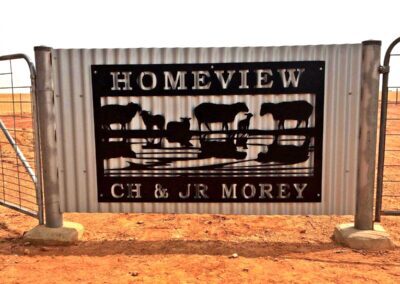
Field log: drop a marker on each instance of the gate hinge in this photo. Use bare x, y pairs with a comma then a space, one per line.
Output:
384, 69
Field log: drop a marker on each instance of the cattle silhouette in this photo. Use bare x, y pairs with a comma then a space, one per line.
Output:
150, 121
285, 154
244, 124
110, 114
241, 141
116, 149
210, 113
179, 131
295, 110
220, 149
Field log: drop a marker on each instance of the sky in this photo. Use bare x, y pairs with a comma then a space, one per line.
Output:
184, 23
119, 23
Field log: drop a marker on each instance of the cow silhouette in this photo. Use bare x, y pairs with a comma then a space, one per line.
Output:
295, 110
285, 154
220, 149
119, 114
224, 113
116, 149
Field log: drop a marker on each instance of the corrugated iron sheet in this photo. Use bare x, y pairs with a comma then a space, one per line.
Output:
75, 126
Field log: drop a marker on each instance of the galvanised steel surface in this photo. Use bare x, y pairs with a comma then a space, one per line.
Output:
20, 175
384, 134
74, 110
47, 130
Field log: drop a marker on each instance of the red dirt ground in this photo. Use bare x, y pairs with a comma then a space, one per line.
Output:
166, 248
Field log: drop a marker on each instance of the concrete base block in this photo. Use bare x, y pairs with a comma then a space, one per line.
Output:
376, 239
69, 234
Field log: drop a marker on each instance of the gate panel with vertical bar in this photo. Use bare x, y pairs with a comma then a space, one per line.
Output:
19, 167
388, 182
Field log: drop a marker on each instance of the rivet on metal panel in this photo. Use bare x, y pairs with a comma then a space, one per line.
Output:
350, 93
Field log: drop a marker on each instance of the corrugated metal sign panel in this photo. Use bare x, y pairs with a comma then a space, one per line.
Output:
76, 131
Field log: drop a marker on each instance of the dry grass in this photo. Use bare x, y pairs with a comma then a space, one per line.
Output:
15, 104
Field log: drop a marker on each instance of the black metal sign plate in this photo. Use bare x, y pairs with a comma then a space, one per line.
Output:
223, 132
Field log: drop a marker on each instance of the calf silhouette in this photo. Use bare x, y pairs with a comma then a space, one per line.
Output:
110, 114
179, 131
116, 149
285, 154
243, 124
241, 141
150, 121
210, 113
296, 110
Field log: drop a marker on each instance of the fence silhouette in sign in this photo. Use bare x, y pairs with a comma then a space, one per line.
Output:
216, 140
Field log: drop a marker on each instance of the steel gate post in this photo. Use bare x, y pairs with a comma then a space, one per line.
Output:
363, 233
367, 134
47, 127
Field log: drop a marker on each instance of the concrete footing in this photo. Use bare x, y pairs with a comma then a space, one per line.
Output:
376, 239
69, 234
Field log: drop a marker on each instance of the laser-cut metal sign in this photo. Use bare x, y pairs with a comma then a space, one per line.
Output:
223, 132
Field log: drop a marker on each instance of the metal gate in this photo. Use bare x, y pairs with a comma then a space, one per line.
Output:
19, 167
388, 174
